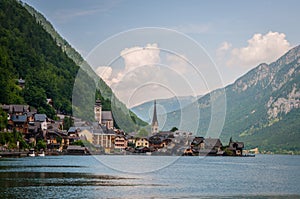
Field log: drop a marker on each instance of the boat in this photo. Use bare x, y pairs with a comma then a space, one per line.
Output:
31, 153
41, 154
148, 153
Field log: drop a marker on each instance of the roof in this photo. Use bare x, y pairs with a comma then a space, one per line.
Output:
33, 128
106, 115
212, 142
99, 129
40, 117
155, 139
72, 129
18, 108
19, 118
236, 144
5, 107
197, 140
31, 113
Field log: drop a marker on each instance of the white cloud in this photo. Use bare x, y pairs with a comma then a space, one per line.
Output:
105, 73
140, 56
177, 62
225, 46
136, 57
261, 48
148, 73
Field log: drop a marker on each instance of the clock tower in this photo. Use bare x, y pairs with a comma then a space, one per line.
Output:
98, 111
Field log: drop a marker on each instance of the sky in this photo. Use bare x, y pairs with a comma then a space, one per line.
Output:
148, 50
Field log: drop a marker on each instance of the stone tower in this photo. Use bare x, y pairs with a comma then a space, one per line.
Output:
154, 125
98, 111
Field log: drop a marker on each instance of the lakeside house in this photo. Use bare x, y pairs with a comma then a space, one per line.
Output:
236, 148
120, 143
141, 142
102, 137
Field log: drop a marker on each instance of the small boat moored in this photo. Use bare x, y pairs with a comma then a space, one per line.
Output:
31, 153
41, 154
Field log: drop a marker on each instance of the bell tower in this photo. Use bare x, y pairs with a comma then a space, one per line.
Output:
98, 111
154, 125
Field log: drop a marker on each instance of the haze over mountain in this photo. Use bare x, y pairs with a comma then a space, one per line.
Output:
145, 110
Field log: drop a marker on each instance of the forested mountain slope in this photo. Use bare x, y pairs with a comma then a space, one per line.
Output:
29, 52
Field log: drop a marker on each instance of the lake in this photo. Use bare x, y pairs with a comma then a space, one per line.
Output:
263, 176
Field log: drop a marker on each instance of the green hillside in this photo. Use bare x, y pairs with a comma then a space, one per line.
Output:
258, 107
29, 52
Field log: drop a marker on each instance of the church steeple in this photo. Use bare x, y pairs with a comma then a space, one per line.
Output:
98, 111
154, 125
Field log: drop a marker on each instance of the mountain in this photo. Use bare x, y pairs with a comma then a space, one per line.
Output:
145, 110
123, 117
262, 107
31, 49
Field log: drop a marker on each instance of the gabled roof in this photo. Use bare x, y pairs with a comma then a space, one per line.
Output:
212, 142
102, 130
40, 117
236, 144
33, 128
72, 129
19, 118
197, 140
165, 134
31, 113
18, 108
5, 107
106, 115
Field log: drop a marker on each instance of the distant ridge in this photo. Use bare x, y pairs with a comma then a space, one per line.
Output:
263, 107
169, 105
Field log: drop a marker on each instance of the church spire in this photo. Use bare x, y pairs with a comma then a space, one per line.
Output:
154, 125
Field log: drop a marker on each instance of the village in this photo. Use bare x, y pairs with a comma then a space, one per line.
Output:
101, 137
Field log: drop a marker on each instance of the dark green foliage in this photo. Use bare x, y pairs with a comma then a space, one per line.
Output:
282, 135
27, 51
10, 139
173, 129
3, 119
78, 143
87, 83
143, 133
41, 144
31, 49
68, 122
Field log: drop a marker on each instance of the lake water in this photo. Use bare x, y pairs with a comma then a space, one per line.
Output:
264, 176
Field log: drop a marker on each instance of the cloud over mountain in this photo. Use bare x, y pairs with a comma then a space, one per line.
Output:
261, 48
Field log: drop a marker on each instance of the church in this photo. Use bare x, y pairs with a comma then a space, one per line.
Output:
104, 118
154, 124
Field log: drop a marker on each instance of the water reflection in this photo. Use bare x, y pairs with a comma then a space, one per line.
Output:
25, 179
188, 177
